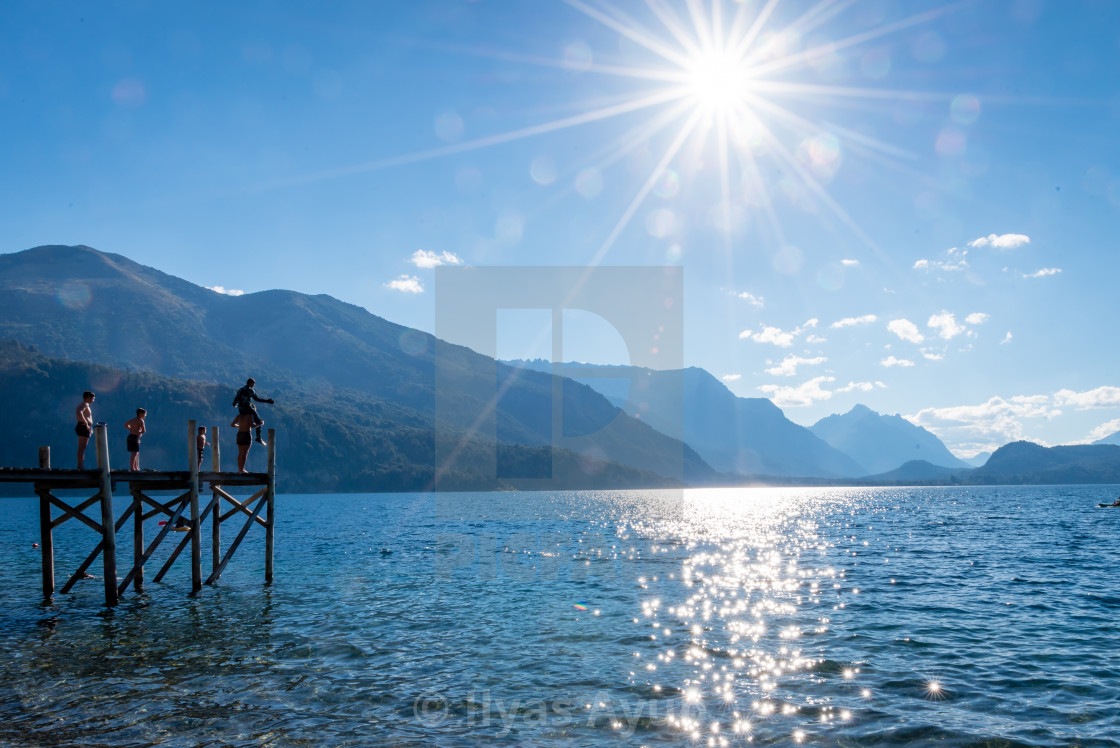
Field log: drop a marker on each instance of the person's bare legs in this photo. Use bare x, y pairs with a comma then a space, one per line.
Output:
82, 442
242, 455
134, 461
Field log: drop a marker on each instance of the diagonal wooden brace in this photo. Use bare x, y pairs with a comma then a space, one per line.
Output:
237, 541
186, 538
96, 551
77, 512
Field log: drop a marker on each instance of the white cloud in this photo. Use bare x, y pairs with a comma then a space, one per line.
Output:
861, 386
1006, 338
987, 425
1002, 241
853, 321
753, 300
731, 377
770, 335
890, 361
925, 264
1101, 397
804, 394
788, 367
815, 339
906, 330
972, 428
424, 259
777, 336
1041, 273
849, 263
226, 291
976, 318
932, 356
945, 324
406, 283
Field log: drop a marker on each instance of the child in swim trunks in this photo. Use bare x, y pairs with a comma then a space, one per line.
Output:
84, 428
200, 442
136, 429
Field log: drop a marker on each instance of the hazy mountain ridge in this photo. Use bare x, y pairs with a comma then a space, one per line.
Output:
1019, 463
921, 471
1027, 462
747, 436
1113, 438
977, 459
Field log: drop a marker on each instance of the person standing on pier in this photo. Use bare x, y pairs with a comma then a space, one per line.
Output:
136, 429
200, 442
85, 426
244, 424
244, 402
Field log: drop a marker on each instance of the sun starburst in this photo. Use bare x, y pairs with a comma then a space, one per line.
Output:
734, 84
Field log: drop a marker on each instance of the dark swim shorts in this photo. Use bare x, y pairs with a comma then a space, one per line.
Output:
244, 437
133, 443
82, 430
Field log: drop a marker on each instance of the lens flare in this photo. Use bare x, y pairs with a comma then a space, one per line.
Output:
74, 295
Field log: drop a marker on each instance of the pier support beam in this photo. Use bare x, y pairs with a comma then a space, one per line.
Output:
216, 534
196, 522
270, 506
46, 534
108, 524
137, 541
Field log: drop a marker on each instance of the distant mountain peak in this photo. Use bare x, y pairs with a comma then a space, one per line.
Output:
883, 443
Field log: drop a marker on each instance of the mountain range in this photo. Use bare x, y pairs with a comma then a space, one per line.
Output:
358, 406
752, 436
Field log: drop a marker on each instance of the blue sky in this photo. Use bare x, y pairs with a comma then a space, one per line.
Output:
913, 205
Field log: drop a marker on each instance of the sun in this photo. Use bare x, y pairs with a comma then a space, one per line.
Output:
717, 81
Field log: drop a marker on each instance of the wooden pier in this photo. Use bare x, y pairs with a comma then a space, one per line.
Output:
259, 509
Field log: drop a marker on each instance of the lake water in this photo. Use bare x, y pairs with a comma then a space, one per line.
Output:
826, 617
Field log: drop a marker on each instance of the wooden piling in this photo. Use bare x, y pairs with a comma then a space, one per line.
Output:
137, 541
108, 525
216, 534
270, 508
196, 528
46, 533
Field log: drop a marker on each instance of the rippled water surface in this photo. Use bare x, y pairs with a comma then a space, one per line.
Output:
831, 617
